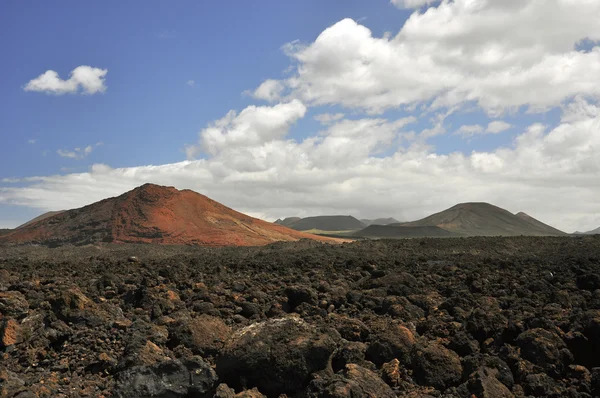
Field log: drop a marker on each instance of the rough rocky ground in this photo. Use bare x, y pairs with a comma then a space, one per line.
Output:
457, 317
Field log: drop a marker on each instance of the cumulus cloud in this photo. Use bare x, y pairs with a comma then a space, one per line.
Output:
252, 126
363, 167
83, 79
469, 130
499, 54
270, 90
328, 118
497, 126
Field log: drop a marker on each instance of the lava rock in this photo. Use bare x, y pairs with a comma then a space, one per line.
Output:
13, 304
277, 355
169, 379
543, 348
437, 366
391, 341
204, 335
353, 382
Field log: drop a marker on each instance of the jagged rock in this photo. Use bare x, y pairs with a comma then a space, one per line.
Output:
543, 348
484, 384
10, 332
169, 379
204, 335
353, 382
437, 366
277, 355
391, 340
13, 304
297, 295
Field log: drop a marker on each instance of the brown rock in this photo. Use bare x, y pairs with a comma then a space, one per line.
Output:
392, 341
13, 304
353, 382
204, 335
10, 332
391, 373
437, 366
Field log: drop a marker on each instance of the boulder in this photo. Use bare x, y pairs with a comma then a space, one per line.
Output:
277, 356
13, 304
168, 379
10, 332
204, 335
391, 340
353, 382
437, 366
542, 348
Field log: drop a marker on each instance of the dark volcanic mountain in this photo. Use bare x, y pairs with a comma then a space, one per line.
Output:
286, 222
155, 214
540, 225
484, 219
380, 221
327, 223
399, 231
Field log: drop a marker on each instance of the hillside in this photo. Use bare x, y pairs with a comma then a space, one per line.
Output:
40, 218
540, 225
484, 219
155, 214
380, 221
398, 231
5, 231
327, 223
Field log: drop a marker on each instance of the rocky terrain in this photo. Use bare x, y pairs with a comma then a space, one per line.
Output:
455, 317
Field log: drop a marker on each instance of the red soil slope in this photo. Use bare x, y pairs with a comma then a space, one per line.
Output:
156, 214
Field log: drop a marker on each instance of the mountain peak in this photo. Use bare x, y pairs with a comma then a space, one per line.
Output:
155, 214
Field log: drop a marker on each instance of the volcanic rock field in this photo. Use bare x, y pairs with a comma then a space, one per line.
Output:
449, 317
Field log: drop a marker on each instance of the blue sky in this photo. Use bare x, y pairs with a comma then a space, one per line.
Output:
173, 69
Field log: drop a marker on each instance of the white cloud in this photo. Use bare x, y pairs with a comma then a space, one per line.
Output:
469, 130
82, 79
499, 54
77, 153
270, 90
252, 126
328, 118
412, 3
191, 83
363, 167
497, 126
31, 141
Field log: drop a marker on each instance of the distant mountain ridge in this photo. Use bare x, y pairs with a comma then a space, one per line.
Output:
5, 231
155, 214
379, 221
592, 232
324, 223
484, 219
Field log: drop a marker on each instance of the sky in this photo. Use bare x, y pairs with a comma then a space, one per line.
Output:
375, 108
